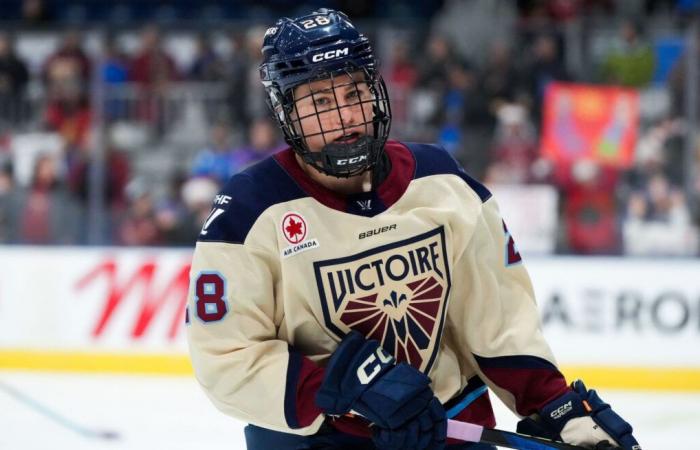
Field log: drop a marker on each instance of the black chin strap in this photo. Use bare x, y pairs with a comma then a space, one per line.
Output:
346, 160
381, 170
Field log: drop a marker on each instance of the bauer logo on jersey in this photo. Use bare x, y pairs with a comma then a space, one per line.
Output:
396, 293
295, 231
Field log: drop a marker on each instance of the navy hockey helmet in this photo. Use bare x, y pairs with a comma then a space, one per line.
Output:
325, 45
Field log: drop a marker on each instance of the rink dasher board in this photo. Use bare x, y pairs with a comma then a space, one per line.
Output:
619, 323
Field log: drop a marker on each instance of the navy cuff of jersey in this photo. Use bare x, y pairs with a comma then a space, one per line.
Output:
533, 381
290, 391
303, 381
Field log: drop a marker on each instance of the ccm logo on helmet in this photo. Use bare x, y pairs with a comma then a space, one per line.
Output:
355, 160
331, 54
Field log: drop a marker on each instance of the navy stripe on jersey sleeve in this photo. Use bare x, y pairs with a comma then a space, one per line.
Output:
244, 198
533, 381
290, 391
304, 379
432, 159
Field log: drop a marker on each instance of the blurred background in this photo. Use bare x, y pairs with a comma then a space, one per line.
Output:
130, 115
120, 120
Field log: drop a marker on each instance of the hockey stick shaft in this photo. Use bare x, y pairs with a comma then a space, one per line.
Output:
470, 432
56, 417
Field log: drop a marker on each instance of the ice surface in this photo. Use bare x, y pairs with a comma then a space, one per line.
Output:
172, 413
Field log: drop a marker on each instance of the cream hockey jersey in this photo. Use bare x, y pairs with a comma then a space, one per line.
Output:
284, 268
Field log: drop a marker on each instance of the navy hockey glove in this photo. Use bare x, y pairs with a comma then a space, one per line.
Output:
428, 430
580, 417
397, 399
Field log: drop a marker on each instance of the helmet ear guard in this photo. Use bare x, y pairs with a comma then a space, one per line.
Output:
297, 52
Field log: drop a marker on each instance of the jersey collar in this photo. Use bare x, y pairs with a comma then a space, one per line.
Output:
389, 191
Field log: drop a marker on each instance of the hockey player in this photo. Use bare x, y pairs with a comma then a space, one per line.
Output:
355, 292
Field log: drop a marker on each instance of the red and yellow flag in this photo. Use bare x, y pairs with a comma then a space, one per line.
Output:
589, 121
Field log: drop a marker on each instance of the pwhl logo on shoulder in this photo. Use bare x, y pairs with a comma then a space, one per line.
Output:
396, 293
295, 230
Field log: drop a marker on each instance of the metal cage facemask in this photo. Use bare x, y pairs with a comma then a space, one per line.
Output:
346, 112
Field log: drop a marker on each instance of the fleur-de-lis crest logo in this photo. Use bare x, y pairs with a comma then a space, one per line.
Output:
395, 300
396, 306
395, 293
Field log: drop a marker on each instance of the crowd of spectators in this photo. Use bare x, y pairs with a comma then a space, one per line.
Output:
482, 103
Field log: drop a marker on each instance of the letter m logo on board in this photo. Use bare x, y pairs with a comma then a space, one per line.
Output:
396, 293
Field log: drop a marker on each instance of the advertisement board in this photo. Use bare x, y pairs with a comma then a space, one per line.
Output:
124, 309
93, 299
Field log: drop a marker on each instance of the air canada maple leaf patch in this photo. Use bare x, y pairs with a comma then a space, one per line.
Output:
295, 232
294, 228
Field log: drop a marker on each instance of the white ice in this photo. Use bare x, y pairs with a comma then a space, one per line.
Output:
172, 413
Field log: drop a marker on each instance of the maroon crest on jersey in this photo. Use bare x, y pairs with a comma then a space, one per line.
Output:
396, 293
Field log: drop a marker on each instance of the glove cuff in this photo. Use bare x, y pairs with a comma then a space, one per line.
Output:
556, 413
332, 404
602, 414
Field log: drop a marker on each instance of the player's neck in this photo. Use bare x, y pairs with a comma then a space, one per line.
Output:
344, 186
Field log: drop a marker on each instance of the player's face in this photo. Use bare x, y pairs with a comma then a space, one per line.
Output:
333, 110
